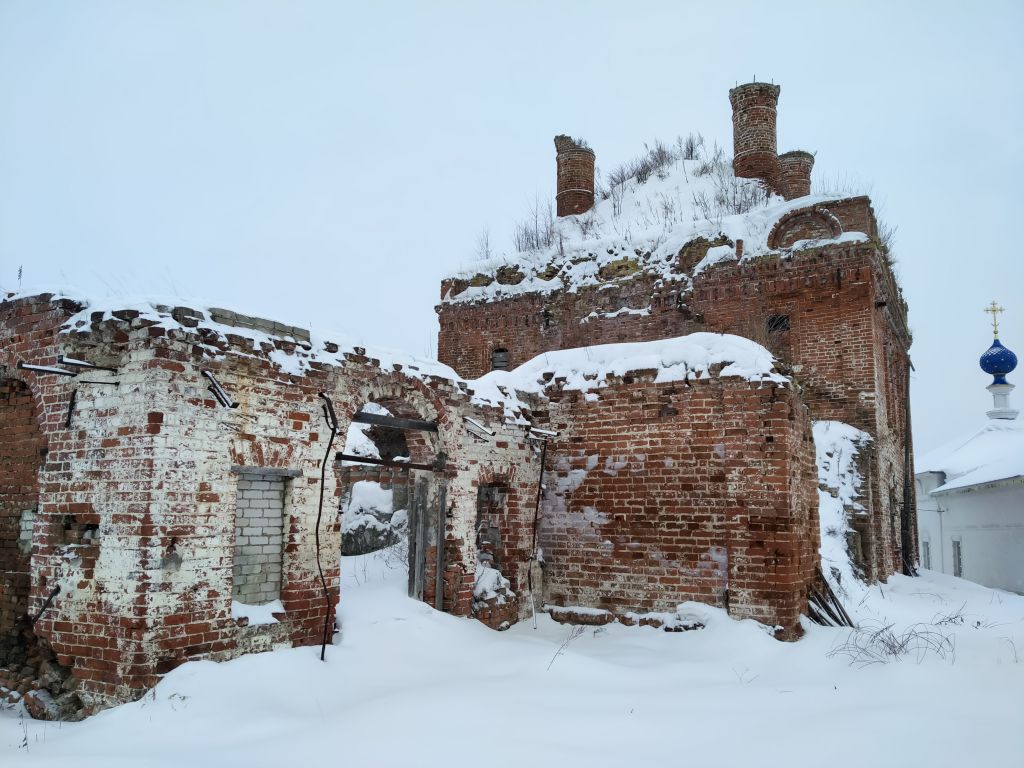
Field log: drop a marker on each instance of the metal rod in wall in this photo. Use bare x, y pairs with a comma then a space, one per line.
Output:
385, 462
442, 507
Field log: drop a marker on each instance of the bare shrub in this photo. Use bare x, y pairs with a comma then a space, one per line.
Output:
689, 146
574, 632
395, 557
886, 238
841, 185
879, 644
642, 170
730, 195
656, 159
536, 231
587, 225
483, 245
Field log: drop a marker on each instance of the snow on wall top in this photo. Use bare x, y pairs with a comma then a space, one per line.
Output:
585, 369
646, 223
678, 359
306, 347
995, 452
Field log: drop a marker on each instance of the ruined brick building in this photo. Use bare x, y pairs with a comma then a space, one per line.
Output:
162, 466
702, 489
145, 508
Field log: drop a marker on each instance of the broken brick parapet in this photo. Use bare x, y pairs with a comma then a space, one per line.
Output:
640, 308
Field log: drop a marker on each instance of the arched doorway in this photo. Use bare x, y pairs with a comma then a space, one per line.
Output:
392, 478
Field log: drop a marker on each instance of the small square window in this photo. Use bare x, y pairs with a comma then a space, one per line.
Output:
499, 360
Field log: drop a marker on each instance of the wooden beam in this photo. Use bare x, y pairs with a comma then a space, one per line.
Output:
385, 462
393, 422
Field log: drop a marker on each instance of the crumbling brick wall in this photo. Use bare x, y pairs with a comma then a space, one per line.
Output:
847, 340
22, 449
530, 324
660, 493
139, 491
833, 312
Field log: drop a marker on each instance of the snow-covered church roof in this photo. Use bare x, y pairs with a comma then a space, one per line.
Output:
992, 454
996, 452
696, 356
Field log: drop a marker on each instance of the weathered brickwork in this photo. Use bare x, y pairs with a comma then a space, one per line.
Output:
135, 507
795, 174
847, 342
138, 491
842, 328
528, 325
575, 189
21, 453
755, 150
663, 493
823, 298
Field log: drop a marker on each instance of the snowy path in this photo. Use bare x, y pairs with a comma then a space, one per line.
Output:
410, 687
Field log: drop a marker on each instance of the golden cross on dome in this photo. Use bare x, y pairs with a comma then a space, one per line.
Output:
994, 310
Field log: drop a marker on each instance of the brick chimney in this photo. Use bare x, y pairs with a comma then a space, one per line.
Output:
795, 174
755, 150
575, 186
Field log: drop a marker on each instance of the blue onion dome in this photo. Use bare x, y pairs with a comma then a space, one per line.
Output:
998, 361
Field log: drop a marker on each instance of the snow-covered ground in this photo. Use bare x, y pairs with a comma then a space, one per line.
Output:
407, 686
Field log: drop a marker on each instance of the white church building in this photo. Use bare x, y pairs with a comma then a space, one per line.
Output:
970, 492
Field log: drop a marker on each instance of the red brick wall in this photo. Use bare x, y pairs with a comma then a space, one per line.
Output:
753, 129
847, 344
663, 493
847, 339
574, 190
530, 324
795, 174
21, 447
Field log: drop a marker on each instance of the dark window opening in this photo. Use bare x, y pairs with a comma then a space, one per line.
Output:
491, 512
777, 323
499, 360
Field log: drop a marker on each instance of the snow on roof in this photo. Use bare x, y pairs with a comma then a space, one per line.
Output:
324, 347
996, 452
317, 349
585, 368
646, 223
678, 359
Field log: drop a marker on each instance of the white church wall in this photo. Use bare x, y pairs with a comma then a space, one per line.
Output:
988, 526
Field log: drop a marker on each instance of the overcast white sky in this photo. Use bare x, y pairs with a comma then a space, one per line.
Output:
326, 164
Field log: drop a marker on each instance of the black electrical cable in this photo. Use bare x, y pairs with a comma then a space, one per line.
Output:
71, 408
332, 423
536, 517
